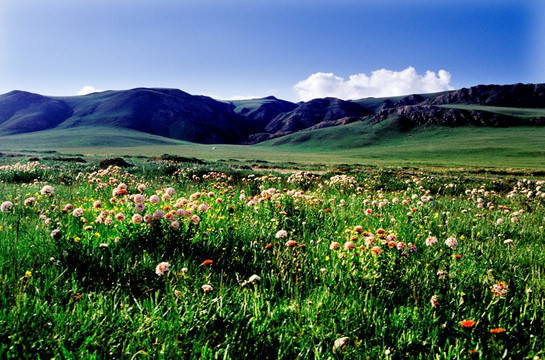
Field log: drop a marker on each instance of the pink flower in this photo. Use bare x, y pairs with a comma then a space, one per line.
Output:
281, 234
136, 219
451, 242
120, 217
139, 199
154, 199
349, 245
195, 219
430, 241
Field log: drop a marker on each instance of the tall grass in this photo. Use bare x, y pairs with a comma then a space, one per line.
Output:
310, 266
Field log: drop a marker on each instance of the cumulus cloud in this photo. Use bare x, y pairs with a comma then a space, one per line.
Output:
88, 89
380, 83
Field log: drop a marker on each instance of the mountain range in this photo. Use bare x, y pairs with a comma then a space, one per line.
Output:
175, 114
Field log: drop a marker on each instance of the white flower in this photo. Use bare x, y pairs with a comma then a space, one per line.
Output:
281, 234
207, 288
341, 344
47, 190
162, 268
6, 206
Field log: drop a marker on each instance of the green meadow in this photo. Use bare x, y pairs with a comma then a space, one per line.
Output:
179, 260
358, 143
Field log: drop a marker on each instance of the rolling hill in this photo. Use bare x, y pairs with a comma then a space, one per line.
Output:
165, 114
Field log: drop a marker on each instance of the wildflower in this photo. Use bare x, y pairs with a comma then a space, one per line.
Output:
175, 225
341, 344
207, 288
28, 274
78, 212
29, 201
6, 206
141, 187
334, 245
120, 217
508, 241
291, 243
136, 219
47, 190
268, 247
497, 330
451, 242
376, 250
349, 245
158, 214
170, 191
368, 211
456, 256
430, 241
441, 274
139, 199
154, 199
401, 245
55, 234
281, 234
434, 301
499, 289
195, 219
162, 268
358, 228
207, 262
467, 323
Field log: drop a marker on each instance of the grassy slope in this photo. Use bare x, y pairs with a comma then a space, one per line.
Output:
82, 137
356, 143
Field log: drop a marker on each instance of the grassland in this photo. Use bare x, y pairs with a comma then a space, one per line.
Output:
171, 260
357, 143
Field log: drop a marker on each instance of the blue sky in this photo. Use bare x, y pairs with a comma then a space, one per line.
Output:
295, 50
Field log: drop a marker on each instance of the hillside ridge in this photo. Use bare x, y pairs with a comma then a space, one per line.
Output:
176, 114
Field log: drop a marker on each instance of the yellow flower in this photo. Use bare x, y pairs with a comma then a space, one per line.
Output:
327, 258
97, 235
77, 239
28, 273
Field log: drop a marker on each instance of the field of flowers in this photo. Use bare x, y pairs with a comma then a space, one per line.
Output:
172, 261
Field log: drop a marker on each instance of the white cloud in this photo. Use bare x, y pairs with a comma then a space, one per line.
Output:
88, 89
381, 83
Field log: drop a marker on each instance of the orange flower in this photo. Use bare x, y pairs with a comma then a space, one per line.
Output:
497, 330
467, 323
456, 256
207, 262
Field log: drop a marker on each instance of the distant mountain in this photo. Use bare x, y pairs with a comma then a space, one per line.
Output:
175, 114
22, 112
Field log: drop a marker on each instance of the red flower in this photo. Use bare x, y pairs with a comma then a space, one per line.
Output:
207, 263
467, 323
497, 330
268, 247
328, 210
291, 243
